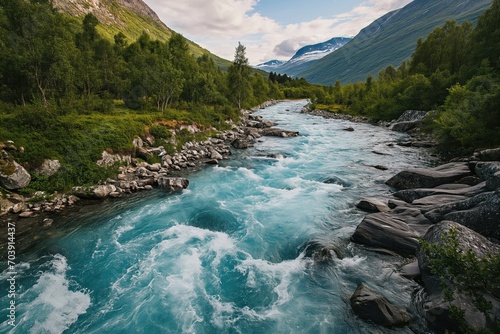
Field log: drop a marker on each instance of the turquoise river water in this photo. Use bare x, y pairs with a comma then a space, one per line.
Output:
234, 253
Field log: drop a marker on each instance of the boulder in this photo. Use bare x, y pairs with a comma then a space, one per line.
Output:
214, 155
372, 205
409, 120
14, 177
173, 183
94, 192
241, 143
480, 213
429, 177
436, 308
489, 172
109, 159
410, 195
382, 230
48, 167
277, 132
371, 306
489, 155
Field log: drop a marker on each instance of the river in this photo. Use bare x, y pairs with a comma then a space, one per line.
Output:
230, 254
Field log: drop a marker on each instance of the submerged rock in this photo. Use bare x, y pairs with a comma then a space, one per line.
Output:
371, 306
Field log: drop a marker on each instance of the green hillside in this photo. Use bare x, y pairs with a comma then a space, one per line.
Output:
390, 40
131, 17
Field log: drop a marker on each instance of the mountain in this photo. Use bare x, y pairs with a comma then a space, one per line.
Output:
304, 57
131, 17
390, 40
270, 65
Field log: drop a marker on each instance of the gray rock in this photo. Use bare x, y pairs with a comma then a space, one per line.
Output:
173, 183
436, 308
429, 177
410, 270
49, 167
489, 155
480, 213
371, 306
489, 172
26, 214
109, 159
277, 132
382, 230
410, 195
241, 143
215, 155
372, 205
409, 120
94, 192
17, 179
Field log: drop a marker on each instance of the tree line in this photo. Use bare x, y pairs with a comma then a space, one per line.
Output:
454, 72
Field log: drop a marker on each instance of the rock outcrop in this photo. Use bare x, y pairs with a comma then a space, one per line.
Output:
48, 167
371, 306
436, 308
13, 176
409, 120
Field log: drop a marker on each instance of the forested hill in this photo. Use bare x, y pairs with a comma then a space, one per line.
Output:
130, 17
390, 40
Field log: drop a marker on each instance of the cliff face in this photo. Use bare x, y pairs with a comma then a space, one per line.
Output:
109, 12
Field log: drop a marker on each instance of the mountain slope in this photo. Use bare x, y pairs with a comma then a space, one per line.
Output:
390, 40
305, 57
131, 17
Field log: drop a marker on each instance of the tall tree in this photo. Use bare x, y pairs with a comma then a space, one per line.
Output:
239, 77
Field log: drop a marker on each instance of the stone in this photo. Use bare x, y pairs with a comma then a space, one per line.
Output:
173, 183
109, 159
410, 270
94, 192
18, 207
489, 172
489, 155
480, 213
409, 120
349, 129
372, 205
212, 162
371, 306
48, 167
429, 177
436, 308
240, 143
410, 195
382, 230
215, 155
14, 179
277, 132
137, 142
26, 214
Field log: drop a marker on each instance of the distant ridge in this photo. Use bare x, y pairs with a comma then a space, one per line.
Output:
390, 40
304, 57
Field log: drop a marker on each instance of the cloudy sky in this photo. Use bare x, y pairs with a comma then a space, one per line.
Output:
269, 29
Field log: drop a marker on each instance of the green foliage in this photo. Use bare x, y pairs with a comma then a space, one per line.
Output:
461, 270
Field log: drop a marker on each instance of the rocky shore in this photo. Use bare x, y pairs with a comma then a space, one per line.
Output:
134, 176
428, 202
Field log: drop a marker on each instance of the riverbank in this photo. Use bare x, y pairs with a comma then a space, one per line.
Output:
37, 213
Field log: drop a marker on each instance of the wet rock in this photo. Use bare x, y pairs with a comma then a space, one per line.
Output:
240, 143
371, 306
372, 205
489, 172
410, 270
382, 230
277, 132
94, 192
349, 129
429, 177
410, 195
26, 214
173, 183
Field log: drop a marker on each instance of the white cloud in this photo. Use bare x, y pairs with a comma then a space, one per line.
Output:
219, 25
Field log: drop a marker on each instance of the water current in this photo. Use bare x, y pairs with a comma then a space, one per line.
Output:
234, 253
